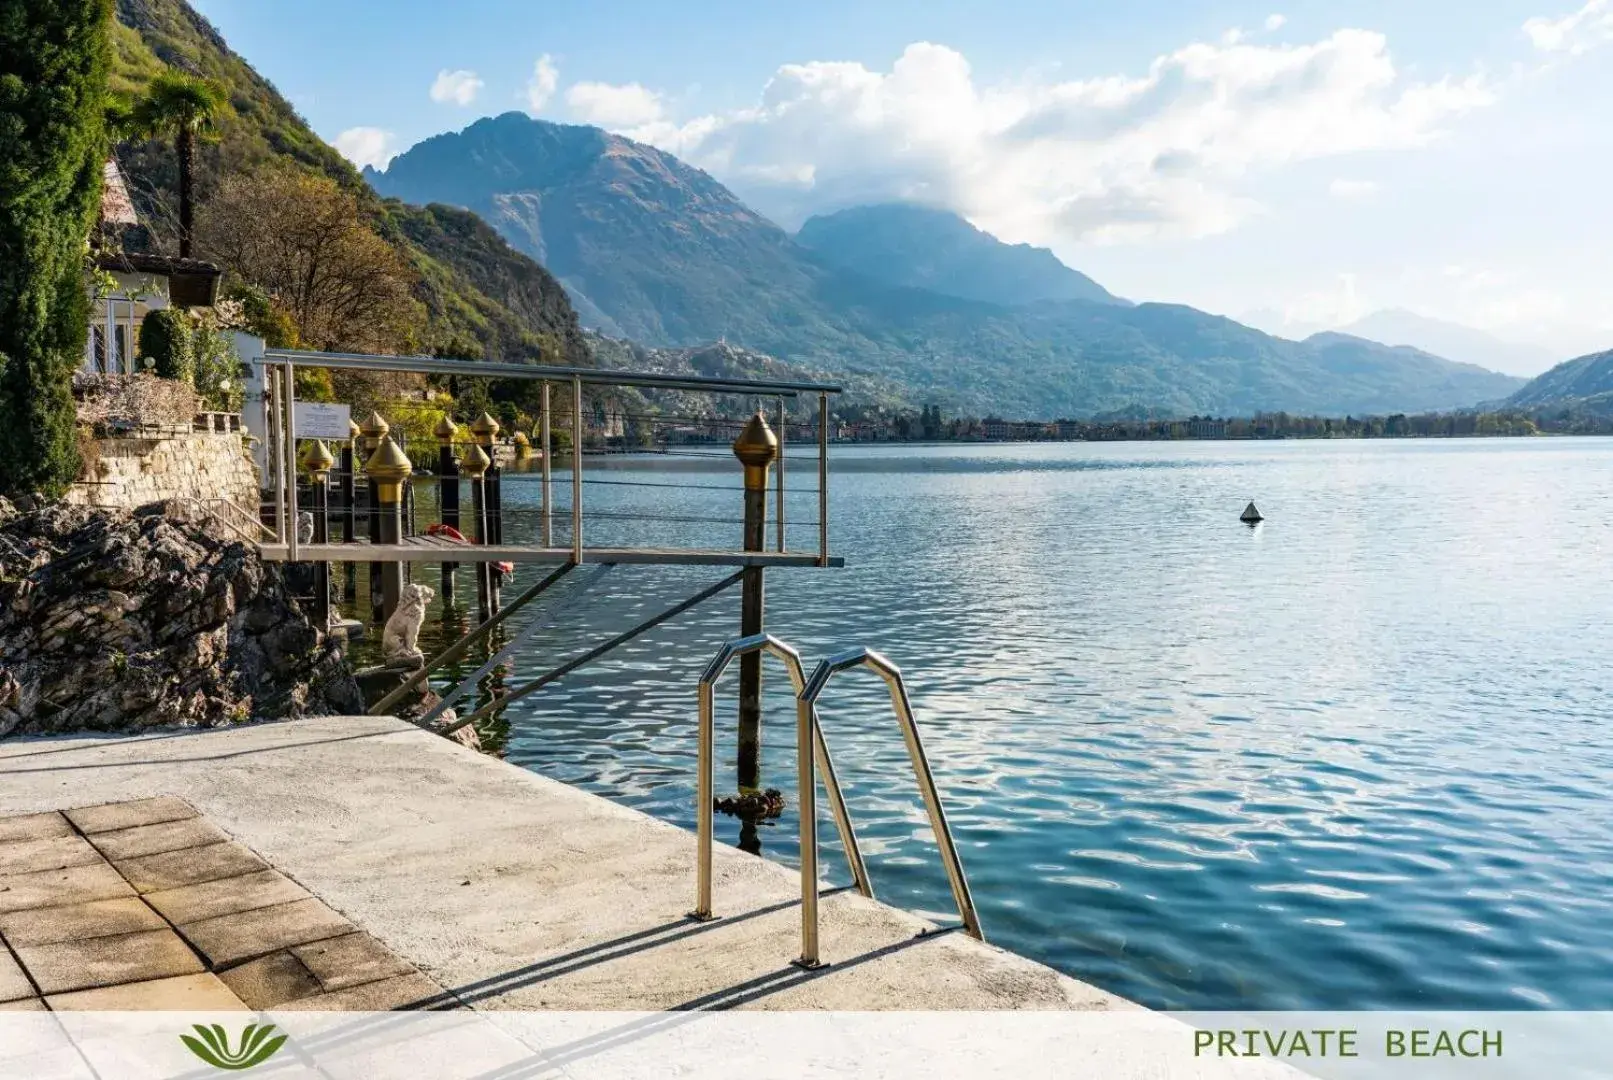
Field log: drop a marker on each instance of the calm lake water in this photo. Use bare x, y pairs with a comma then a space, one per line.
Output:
1359, 757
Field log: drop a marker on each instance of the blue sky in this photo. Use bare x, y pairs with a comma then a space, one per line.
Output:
1294, 164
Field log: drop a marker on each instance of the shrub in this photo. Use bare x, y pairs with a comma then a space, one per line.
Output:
165, 339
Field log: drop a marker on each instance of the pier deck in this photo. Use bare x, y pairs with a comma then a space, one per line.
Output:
513, 891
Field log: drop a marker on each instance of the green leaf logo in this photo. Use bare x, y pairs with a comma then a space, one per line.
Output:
213, 1046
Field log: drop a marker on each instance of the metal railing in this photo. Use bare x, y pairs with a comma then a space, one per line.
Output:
812, 759
233, 516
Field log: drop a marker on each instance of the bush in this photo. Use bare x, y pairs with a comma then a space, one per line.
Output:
217, 370
165, 339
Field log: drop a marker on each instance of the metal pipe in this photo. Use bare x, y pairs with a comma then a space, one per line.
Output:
594, 376
704, 810
279, 457
837, 807
823, 479
288, 377
807, 800
548, 476
783, 422
464, 644
576, 469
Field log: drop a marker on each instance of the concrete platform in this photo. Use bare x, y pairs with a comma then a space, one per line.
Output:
511, 890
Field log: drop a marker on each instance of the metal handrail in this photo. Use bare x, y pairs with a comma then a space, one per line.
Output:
807, 713
810, 748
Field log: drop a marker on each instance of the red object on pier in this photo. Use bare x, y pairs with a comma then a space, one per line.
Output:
448, 532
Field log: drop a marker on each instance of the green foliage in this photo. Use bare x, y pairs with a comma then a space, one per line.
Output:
54, 57
217, 371
165, 339
263, 317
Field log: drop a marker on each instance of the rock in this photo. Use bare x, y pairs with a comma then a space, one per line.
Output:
112, 620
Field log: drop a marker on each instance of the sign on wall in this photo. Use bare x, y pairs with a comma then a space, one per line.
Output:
316, 420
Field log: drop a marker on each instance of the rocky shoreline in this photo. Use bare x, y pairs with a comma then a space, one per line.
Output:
120, 621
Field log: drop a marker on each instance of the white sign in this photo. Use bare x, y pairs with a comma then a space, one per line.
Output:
319, 421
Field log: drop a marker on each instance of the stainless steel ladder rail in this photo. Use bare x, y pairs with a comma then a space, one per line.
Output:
807, 715
810, 750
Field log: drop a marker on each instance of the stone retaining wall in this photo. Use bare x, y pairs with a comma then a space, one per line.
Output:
133, 472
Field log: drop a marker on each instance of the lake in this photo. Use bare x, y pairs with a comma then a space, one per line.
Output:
1358, 757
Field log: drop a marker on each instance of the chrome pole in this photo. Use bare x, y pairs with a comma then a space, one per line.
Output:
287, 376
704, 810
548, 476
837, 807
783, 420
576, 469
277, 437
823, 479
932, 799
807, 796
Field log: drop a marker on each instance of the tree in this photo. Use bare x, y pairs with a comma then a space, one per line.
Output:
303, 239
187, 108
55, 57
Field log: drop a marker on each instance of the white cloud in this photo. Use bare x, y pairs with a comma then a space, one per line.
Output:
1353, 189
1276, 22
624, 107
1108, 158
367, 146
456, 87
1574, 33
540, 88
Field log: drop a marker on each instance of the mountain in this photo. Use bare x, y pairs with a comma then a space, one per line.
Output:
902, 244
1585, 382
480, 296
1396, 326
655, 250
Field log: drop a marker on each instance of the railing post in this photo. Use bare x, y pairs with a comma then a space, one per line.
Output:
576, 469
318, 461
704, 799
489, 526
374, 431
448, 501
807, 799
756, 448
544, 437
349, 497
389, 470
823, 479
473, 463
783, 423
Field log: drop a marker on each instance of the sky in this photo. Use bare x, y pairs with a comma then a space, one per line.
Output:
1296, 165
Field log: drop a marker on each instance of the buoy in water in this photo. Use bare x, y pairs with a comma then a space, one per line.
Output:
1250, 515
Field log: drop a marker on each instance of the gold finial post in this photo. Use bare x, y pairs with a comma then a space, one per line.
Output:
756, 448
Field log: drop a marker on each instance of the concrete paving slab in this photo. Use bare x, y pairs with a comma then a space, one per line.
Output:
574, 902
156, 839
183, 993
70, 922
339, 963
14, 985
130, 814
49, 888
225, 896
401, 992
229, 939
108, 961
189, 866
270, 981
34, 827
24, 1005
51, 853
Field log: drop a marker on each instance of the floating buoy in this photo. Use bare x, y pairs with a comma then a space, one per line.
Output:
1250, 515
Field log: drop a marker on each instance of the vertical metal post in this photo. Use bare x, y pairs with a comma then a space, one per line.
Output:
548, 476
349, 496
389, 470
756, 448
278, 437
290, 467
576, 469
807, 797
374, 431
484, 429
478, 513
823, 479
318, 461
447, 501
783, 423
704, 798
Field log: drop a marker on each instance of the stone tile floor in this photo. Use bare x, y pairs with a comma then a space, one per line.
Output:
148, 905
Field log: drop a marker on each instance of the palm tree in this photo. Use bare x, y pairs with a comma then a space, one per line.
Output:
187, 108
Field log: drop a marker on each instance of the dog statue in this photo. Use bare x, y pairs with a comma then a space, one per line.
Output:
400, 638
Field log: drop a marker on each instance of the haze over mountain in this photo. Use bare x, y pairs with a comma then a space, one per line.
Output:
1586, 382
902, 244
1397, 326
655, 250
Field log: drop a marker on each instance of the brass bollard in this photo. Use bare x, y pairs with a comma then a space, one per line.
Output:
485, 430
473, 463
756, 448
349, 497
318, 461
389, 470
447, 501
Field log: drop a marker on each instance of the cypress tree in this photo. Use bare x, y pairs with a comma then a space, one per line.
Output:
54, 58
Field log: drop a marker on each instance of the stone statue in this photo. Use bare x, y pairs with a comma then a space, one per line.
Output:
399, 640
305, 528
